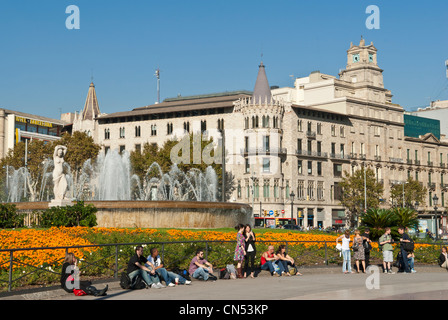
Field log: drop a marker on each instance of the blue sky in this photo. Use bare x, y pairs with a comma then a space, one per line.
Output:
206, 47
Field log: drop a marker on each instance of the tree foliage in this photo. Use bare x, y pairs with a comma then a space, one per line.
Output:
414, 192
353, 194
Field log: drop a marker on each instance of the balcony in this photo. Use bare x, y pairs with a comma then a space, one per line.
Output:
396, 160
444, 186
431, 185
313, 154
377, 158
430, 163
417, 162
339, 156
262, 151
409, 161
311, 134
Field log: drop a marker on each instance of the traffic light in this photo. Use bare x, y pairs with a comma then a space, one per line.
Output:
276, 213
265, 212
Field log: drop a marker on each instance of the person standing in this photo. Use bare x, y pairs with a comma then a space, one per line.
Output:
240, 250
385, 243
404, 253
250, 239
359, 251
345, 238
367, 247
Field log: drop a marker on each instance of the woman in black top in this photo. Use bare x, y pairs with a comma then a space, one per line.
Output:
70, 273
249, 237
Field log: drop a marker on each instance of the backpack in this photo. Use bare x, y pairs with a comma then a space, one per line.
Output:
224, 274
138, 283
125, 281
408, 246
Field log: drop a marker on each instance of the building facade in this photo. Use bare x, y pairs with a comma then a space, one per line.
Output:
296, 141
16, 126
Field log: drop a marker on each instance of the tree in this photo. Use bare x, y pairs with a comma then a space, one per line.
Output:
414, 192
377, 220
353, 195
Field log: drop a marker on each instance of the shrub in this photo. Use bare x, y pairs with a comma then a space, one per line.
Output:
9, 218
69, 216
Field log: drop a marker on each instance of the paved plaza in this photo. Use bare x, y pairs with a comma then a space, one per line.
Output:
429, 283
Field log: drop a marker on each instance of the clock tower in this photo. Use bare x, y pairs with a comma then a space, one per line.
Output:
362, 65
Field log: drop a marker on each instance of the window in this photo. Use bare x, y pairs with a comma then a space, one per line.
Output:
266, 165
266, 189
310, 167
299, 167
299, 146
186, 126
122, 133
138, 148
169, 128
203, 126
137, 131
299, 125
310, 190
220, 125
265, 143
106, 134
238, 192
319, 128
247, 165
153, 130
300, 190
122, 148
319, 168
320, 190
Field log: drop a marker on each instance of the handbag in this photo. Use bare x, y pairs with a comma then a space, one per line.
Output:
355, 246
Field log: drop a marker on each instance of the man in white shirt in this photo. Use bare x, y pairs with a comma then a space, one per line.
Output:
170, 278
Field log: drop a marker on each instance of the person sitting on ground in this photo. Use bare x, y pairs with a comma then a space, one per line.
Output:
170, 278
268, 260
200, 268
286, 260
136, 267
70, 279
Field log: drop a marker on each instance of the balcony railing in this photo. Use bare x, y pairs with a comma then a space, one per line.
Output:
396, 160
315, 154
255, 151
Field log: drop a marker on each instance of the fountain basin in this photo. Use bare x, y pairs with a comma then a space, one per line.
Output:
160, 214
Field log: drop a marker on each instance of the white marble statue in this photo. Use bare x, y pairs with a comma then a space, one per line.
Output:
59, 179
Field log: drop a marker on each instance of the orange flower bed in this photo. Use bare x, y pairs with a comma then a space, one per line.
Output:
31, 238
76, 236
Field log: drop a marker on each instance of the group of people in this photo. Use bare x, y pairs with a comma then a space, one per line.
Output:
362, 245
277, 263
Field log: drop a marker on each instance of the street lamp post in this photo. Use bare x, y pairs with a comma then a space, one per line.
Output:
291, 195
435, 201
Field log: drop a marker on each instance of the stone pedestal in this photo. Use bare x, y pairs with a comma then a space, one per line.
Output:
60, 203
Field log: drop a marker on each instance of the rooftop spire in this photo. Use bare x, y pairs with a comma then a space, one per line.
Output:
262, 91
91, 107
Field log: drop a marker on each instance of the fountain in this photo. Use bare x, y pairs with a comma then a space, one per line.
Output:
160, 199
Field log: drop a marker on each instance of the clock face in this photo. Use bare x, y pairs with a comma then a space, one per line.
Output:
370, 57
356, 57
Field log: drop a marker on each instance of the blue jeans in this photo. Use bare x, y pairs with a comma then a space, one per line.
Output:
404, 260
269, 265
169, 276
346, 263
148, 278
200, 273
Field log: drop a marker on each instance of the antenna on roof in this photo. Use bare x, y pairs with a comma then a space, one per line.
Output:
157, 74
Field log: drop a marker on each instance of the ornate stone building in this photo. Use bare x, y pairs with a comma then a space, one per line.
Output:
296, 140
